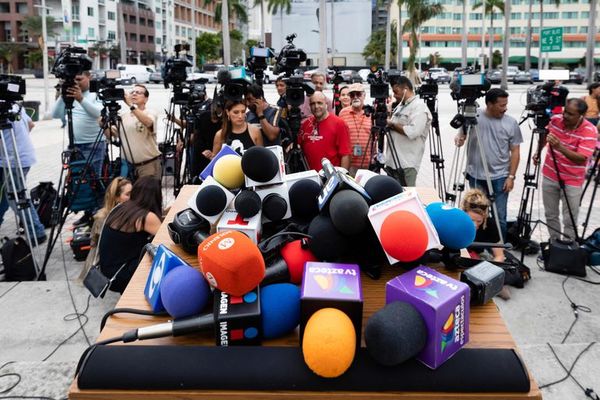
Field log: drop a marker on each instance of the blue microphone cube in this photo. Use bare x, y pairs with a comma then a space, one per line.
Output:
164, 261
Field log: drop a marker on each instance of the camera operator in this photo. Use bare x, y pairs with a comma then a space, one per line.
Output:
324, 135
207, 125
572, 139
500, 138
138, 141
359, 127
319, 80
26, 154
86, 112
558, 97
409, 127
265, 116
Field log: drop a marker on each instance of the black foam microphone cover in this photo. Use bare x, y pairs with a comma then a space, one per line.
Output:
282, 368
247, 203
327, 244
382, 187
348, 211
395, 333
274, 207
303, 199
211, 200
260, 164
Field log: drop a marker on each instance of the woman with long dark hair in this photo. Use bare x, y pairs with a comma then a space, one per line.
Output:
127, 229
236, 132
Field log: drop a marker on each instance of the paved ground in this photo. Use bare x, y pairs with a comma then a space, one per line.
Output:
41, 337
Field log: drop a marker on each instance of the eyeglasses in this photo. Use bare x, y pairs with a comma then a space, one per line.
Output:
137, 92
475, 206
355, 94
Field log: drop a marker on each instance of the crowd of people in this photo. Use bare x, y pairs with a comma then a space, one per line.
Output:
132, 209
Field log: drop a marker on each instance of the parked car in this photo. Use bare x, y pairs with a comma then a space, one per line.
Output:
575, 77
135, 73
351, 76
440, 75
156, 77
308, 74
97, 73
494, 76
522, 77
511, 71
270, 75
535, 74
193, 74
364, 74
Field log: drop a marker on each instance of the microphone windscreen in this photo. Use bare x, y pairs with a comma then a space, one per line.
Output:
348, 211
404, 236
247, 203
184, 292
228, 171
327, 244
329, 343
395, 333
454, 226
295, 256
274, 207
260, 164
211, 200
280, 309
382, 187
231, 262
303, 199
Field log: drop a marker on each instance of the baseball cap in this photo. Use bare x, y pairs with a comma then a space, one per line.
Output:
355, 87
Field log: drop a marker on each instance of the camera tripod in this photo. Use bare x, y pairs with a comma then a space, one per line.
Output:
294, 158
14, 184
468, 110
436, 152
593, 174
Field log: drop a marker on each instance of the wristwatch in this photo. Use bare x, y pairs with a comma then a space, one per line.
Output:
133, 107
261, 117
511, 177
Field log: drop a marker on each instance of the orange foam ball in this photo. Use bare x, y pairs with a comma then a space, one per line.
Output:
329, 342
404, 236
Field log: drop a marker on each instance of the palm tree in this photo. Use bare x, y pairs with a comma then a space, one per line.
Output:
374, 51
529, 34
400, 34
591, 37
8, 51
490, 7
528, 38
504, 79
275, 6
463, 40
222, 14
419, 12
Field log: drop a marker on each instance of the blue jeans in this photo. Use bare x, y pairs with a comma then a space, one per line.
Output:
98, 157
501, 197
5, 203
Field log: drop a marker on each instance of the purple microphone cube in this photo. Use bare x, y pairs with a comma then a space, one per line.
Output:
330, 285
444, 305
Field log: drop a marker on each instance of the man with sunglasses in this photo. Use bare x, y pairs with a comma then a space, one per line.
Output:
359, 127
138, 142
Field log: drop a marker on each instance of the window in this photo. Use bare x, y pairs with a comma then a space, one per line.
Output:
5, 9
585, 14
142, 38
91, 33
90, 11
111, 15
142, 21
570, 29
551, 15
177, 30
475, 30
515, 29
75, 12
457, 17
570, 14
22, 8
583, 29
150, 23
111, 35
476, 16
158, 25
133, 37
515, 15
457, 30
158, 40
132, 19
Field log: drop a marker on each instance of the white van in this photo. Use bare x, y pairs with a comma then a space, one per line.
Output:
135, 73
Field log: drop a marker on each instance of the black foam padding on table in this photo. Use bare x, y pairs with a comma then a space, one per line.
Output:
283, 368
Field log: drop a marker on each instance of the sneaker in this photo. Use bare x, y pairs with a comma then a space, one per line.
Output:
86, 219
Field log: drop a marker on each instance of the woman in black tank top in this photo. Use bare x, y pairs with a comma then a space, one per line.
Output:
127, 229
236, 132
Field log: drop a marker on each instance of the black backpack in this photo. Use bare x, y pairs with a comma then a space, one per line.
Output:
17, 260
42, 197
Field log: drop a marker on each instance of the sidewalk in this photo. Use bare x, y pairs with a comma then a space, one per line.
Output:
38, 316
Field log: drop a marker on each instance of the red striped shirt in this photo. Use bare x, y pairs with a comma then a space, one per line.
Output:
581, 140
359, 126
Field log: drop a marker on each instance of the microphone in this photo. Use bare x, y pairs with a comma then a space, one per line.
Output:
453, 225
184, 292
231, 262
208, 170
337, 181
247, 203
382, 187
278, 314
210, 200
327, 244
348, 211
188, 230
303, 199
288, 266
485, 281
228, 171
275, 202
263, 165
231, 220
223, 76
443, 304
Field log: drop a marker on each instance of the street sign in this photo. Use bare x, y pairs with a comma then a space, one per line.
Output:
552, 39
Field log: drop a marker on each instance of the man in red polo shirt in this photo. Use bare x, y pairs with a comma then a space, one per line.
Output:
571, 141
324, 135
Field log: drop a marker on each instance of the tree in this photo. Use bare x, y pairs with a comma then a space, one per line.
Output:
528, 40
464, 39
208, 46
8, 51
490, 7
419, 12
231, 7
435, 59
504, 79
591, 38
496, 58
400, 36
375, 49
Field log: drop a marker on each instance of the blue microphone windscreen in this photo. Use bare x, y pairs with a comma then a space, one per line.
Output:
184, 292
455, 228
280, 309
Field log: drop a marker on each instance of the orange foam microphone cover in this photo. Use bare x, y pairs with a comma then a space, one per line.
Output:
404, 236
231, 262
329, 343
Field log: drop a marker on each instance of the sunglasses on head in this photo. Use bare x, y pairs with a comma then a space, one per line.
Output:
475, 206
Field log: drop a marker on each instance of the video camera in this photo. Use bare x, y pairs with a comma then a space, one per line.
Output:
190, 93
71, 62
428, 90
380, 80
289, 57
175, 69
539, 98
257, 62
12, 89
469, 87
233, 85
106, 87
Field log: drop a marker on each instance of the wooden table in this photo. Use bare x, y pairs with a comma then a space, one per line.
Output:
487, 329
